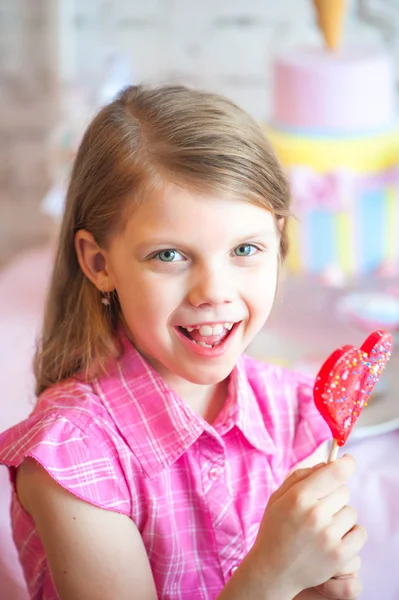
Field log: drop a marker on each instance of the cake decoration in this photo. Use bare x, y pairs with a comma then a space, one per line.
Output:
335, 129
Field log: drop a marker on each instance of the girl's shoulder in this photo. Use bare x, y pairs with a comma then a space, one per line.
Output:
71, 434
72, 399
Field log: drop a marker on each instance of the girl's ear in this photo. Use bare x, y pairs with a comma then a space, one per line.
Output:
280, 223
92, 260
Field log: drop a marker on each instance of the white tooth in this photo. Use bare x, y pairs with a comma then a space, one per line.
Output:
189, 328
204, 345
205, 330
217, 329
228, 326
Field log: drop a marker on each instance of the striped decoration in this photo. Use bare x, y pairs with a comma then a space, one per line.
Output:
347, 200
358, 241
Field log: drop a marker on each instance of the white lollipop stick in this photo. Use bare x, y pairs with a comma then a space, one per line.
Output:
333, 451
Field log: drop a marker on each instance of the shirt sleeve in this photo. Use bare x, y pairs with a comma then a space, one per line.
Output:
310, 430
81, 461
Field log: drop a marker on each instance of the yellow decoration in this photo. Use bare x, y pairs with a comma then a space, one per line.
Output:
360, 154
294, 259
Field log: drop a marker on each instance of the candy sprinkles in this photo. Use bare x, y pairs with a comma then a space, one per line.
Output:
345, 382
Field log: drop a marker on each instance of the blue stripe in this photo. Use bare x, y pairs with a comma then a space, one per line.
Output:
372, 216
322, 243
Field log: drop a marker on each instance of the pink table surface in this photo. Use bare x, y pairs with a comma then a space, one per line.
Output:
298, 328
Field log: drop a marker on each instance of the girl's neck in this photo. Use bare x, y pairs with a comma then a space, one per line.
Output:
206, 401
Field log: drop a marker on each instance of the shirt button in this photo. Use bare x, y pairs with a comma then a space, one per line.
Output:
233, 569
214, 473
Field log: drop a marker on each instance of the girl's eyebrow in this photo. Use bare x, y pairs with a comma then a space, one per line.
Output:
165, 241
263, 233
155, 242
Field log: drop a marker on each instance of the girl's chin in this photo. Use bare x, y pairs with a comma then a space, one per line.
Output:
210, 375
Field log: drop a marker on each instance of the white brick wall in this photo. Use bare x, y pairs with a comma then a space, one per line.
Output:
28, 109
222, 45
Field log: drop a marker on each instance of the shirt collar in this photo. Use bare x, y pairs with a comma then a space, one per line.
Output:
158, 425
242, 409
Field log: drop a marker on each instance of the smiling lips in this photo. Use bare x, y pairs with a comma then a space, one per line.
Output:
209, 335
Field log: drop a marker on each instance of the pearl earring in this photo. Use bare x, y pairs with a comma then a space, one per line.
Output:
105, 298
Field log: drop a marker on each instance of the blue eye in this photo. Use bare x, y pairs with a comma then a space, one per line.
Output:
169, 256
245, 250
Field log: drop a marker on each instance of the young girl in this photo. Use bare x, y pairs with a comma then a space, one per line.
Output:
154, 464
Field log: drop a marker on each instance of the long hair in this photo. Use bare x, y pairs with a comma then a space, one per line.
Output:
145, 138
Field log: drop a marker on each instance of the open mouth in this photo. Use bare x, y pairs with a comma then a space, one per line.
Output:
208, 336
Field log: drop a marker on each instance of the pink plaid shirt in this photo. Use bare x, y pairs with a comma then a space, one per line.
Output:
197, 492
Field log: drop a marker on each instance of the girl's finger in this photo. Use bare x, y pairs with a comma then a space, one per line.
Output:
335, 501
295, 477
328, 477
344, 521
352, 568
353, 542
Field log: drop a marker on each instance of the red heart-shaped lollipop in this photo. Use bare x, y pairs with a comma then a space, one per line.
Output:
346, 379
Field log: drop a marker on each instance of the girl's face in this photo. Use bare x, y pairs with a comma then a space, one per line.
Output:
196, 279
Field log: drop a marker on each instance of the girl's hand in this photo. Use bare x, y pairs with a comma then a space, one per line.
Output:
308, 533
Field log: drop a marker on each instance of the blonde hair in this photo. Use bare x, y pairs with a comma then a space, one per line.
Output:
146, 137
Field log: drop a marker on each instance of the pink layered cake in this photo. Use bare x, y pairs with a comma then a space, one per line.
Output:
335, 129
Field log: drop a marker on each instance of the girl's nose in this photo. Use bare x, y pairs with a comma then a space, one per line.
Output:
211, 288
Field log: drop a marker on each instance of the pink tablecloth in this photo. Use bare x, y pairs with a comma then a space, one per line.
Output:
375, 488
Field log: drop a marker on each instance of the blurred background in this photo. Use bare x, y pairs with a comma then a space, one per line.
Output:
60, 60
50, 49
